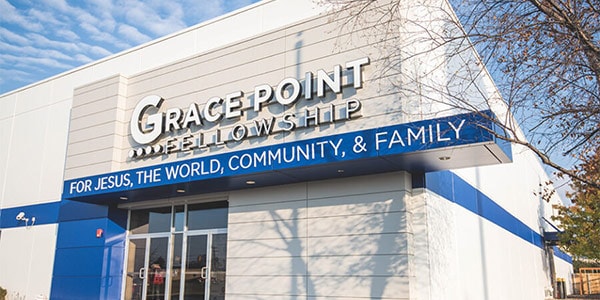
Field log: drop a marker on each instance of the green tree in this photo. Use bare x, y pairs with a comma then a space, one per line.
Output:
581, 221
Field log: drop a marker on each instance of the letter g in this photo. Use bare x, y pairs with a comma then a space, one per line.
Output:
154, 123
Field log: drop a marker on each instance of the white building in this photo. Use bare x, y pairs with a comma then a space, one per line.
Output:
198, 165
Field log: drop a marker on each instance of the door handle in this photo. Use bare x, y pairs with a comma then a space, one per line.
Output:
141, 273
203, 273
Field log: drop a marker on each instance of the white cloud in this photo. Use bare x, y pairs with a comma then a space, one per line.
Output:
36, 61
13, 50
46, 17
14, 73
145, 17
103, 22
15, 76
11, 15
104, 12
67, 34
91, 22
97, 50
28, 52
12, 38
82, 58
132, 34
60, 5
103, 37
103, 5
43, 42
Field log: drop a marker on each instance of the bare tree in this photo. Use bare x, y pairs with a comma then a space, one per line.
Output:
544, 56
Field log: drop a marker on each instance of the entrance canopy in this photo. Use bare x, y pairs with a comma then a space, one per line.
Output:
458, 141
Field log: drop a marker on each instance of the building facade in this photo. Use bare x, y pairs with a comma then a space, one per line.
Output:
270, 154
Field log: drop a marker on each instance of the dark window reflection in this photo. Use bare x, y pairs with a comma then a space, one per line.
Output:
199, 216
207, 215
178, 221
150, 220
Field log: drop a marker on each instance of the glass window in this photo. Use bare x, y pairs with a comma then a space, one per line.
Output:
207, 215
178, 221
150, 220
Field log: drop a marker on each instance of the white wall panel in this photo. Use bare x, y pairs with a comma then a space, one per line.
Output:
88, 158
385, 202
282, 229
101, 167
266, 266
27, 259
86, 134
259, 286
32, 99
102, 142
359, 287
174, 46
26, 159
356, 186
54, 146
294, 209
311, 246
380, 265
443, 266
296, 10
489, 254
254, 198
358, 224
7, 106
360, 244
271, 247
6, 127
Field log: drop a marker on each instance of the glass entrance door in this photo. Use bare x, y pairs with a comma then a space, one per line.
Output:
196, 267
218, 264
146, 269
184, 264
204, 272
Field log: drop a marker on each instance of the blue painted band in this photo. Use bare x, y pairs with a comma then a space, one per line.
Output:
453, 188
45, 213
379, 142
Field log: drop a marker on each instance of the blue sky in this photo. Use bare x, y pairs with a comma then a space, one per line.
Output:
42, 38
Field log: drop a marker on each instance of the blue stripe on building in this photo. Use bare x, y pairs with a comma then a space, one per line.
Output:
453, 188
45, 213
